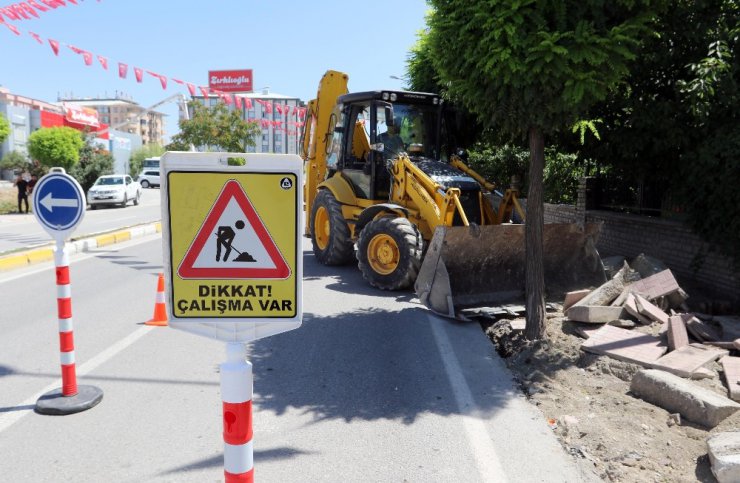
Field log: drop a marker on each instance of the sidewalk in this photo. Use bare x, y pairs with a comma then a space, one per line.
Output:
45, 253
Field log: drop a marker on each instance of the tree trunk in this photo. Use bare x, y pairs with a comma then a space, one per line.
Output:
535, 275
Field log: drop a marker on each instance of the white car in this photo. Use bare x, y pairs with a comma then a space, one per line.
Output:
114, 189
148, 177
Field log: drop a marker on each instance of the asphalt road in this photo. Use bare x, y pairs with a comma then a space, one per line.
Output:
371, 387
19, 231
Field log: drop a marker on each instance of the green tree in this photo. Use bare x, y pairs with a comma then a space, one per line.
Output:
94, 162
215, 127
4, 128
528, 67
15, 160
56, 146
138, 157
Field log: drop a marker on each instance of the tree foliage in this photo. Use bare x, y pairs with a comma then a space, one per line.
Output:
4, 128
215, 128
56, 146
94, 162
147, 151
15, 160
529, 67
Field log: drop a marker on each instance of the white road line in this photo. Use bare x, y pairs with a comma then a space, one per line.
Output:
9, 418
484, 452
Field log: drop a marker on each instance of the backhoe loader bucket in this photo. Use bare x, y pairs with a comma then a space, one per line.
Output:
483, 266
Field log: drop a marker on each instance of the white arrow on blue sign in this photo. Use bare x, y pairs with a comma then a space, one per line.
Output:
58, 204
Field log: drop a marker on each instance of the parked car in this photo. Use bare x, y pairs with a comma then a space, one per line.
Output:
148, 177
114, 189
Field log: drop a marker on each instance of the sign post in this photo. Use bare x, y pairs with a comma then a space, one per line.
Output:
59, 205
233, 267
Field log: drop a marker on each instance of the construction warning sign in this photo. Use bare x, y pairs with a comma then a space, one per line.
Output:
233, 248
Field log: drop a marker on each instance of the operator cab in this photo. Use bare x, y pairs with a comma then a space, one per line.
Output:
372, 128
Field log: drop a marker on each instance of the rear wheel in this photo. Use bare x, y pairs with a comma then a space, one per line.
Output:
389, 253
329, 231
144, 183
138, 197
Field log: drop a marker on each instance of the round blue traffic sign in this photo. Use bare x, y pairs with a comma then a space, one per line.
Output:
58, 203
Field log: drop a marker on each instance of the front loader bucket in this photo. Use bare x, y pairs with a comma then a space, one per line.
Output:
479, 266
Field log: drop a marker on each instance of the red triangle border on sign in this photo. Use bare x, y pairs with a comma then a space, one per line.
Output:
232, 189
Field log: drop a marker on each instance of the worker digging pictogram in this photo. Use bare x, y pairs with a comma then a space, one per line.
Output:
233, 225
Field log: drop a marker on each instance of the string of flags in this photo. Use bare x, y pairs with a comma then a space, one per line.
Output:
296, 112
30, 9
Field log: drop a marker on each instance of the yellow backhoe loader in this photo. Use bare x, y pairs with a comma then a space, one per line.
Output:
381, 174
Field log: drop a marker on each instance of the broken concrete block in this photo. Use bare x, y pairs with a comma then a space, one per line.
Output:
623, 323
594, 314
573, 297
649, 310
678, 336
724, 456
704, 331
609, 290
685, 361
624, 345
656, 285
646, 265
677, 395
731, 368
631, 307
702, 373
676, 299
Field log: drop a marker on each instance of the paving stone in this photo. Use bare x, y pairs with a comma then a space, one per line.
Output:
649, 310
624, 345
684, 361
678, 395
731, 368
656, 285
609, 290
631, 307
595, 314
573, 297
703, 331
678, 336
724, 456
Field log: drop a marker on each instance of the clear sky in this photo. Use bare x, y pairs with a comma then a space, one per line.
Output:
288, 44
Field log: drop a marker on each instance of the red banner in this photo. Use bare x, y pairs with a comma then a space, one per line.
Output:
81, 115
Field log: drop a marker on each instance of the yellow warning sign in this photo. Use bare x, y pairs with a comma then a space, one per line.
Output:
233, 249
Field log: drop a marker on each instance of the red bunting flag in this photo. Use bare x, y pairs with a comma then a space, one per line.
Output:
11, 14
37, 37
28, 9
103, 61
279, 108
191, 89
248, 103
204, 91
54, 46
12, 28
162, 79
122, 70
37, 5
238, 102
139, 73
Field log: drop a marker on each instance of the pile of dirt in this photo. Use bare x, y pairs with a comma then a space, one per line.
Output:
587, 402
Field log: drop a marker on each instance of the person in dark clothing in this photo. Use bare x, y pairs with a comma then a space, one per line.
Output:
22, 186
224, 237
31, 183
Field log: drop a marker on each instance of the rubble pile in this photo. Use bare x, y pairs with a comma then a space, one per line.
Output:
640, 316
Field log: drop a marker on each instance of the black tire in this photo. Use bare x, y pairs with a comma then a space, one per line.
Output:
145, 184
136, 200
389, 252
125, 200
332, 245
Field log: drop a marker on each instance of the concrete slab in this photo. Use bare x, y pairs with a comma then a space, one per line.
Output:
677, 395
609, 290
656, 285
597, 314
685, 361
678, 336
649, 310
724, 456
572, 297
731, 367
631, 307
704, 331
624, 345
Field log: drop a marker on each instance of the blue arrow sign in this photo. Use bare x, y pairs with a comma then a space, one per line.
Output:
58, 203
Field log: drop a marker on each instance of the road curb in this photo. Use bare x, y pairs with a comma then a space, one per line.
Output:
46, 253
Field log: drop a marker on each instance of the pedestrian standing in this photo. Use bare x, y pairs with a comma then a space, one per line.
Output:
22, 186
31, 183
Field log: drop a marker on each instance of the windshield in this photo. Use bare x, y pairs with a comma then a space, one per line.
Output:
108, 181
414, 129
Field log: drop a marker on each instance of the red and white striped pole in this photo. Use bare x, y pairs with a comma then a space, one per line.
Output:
64, 313
236, 394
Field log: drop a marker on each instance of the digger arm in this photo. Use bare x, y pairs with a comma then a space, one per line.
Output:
435, 205
317, 133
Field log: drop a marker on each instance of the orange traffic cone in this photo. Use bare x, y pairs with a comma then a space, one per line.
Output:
160, 311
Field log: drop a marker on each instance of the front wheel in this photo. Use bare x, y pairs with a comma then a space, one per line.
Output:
329, 231
389, 253
138, 197
125, 201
